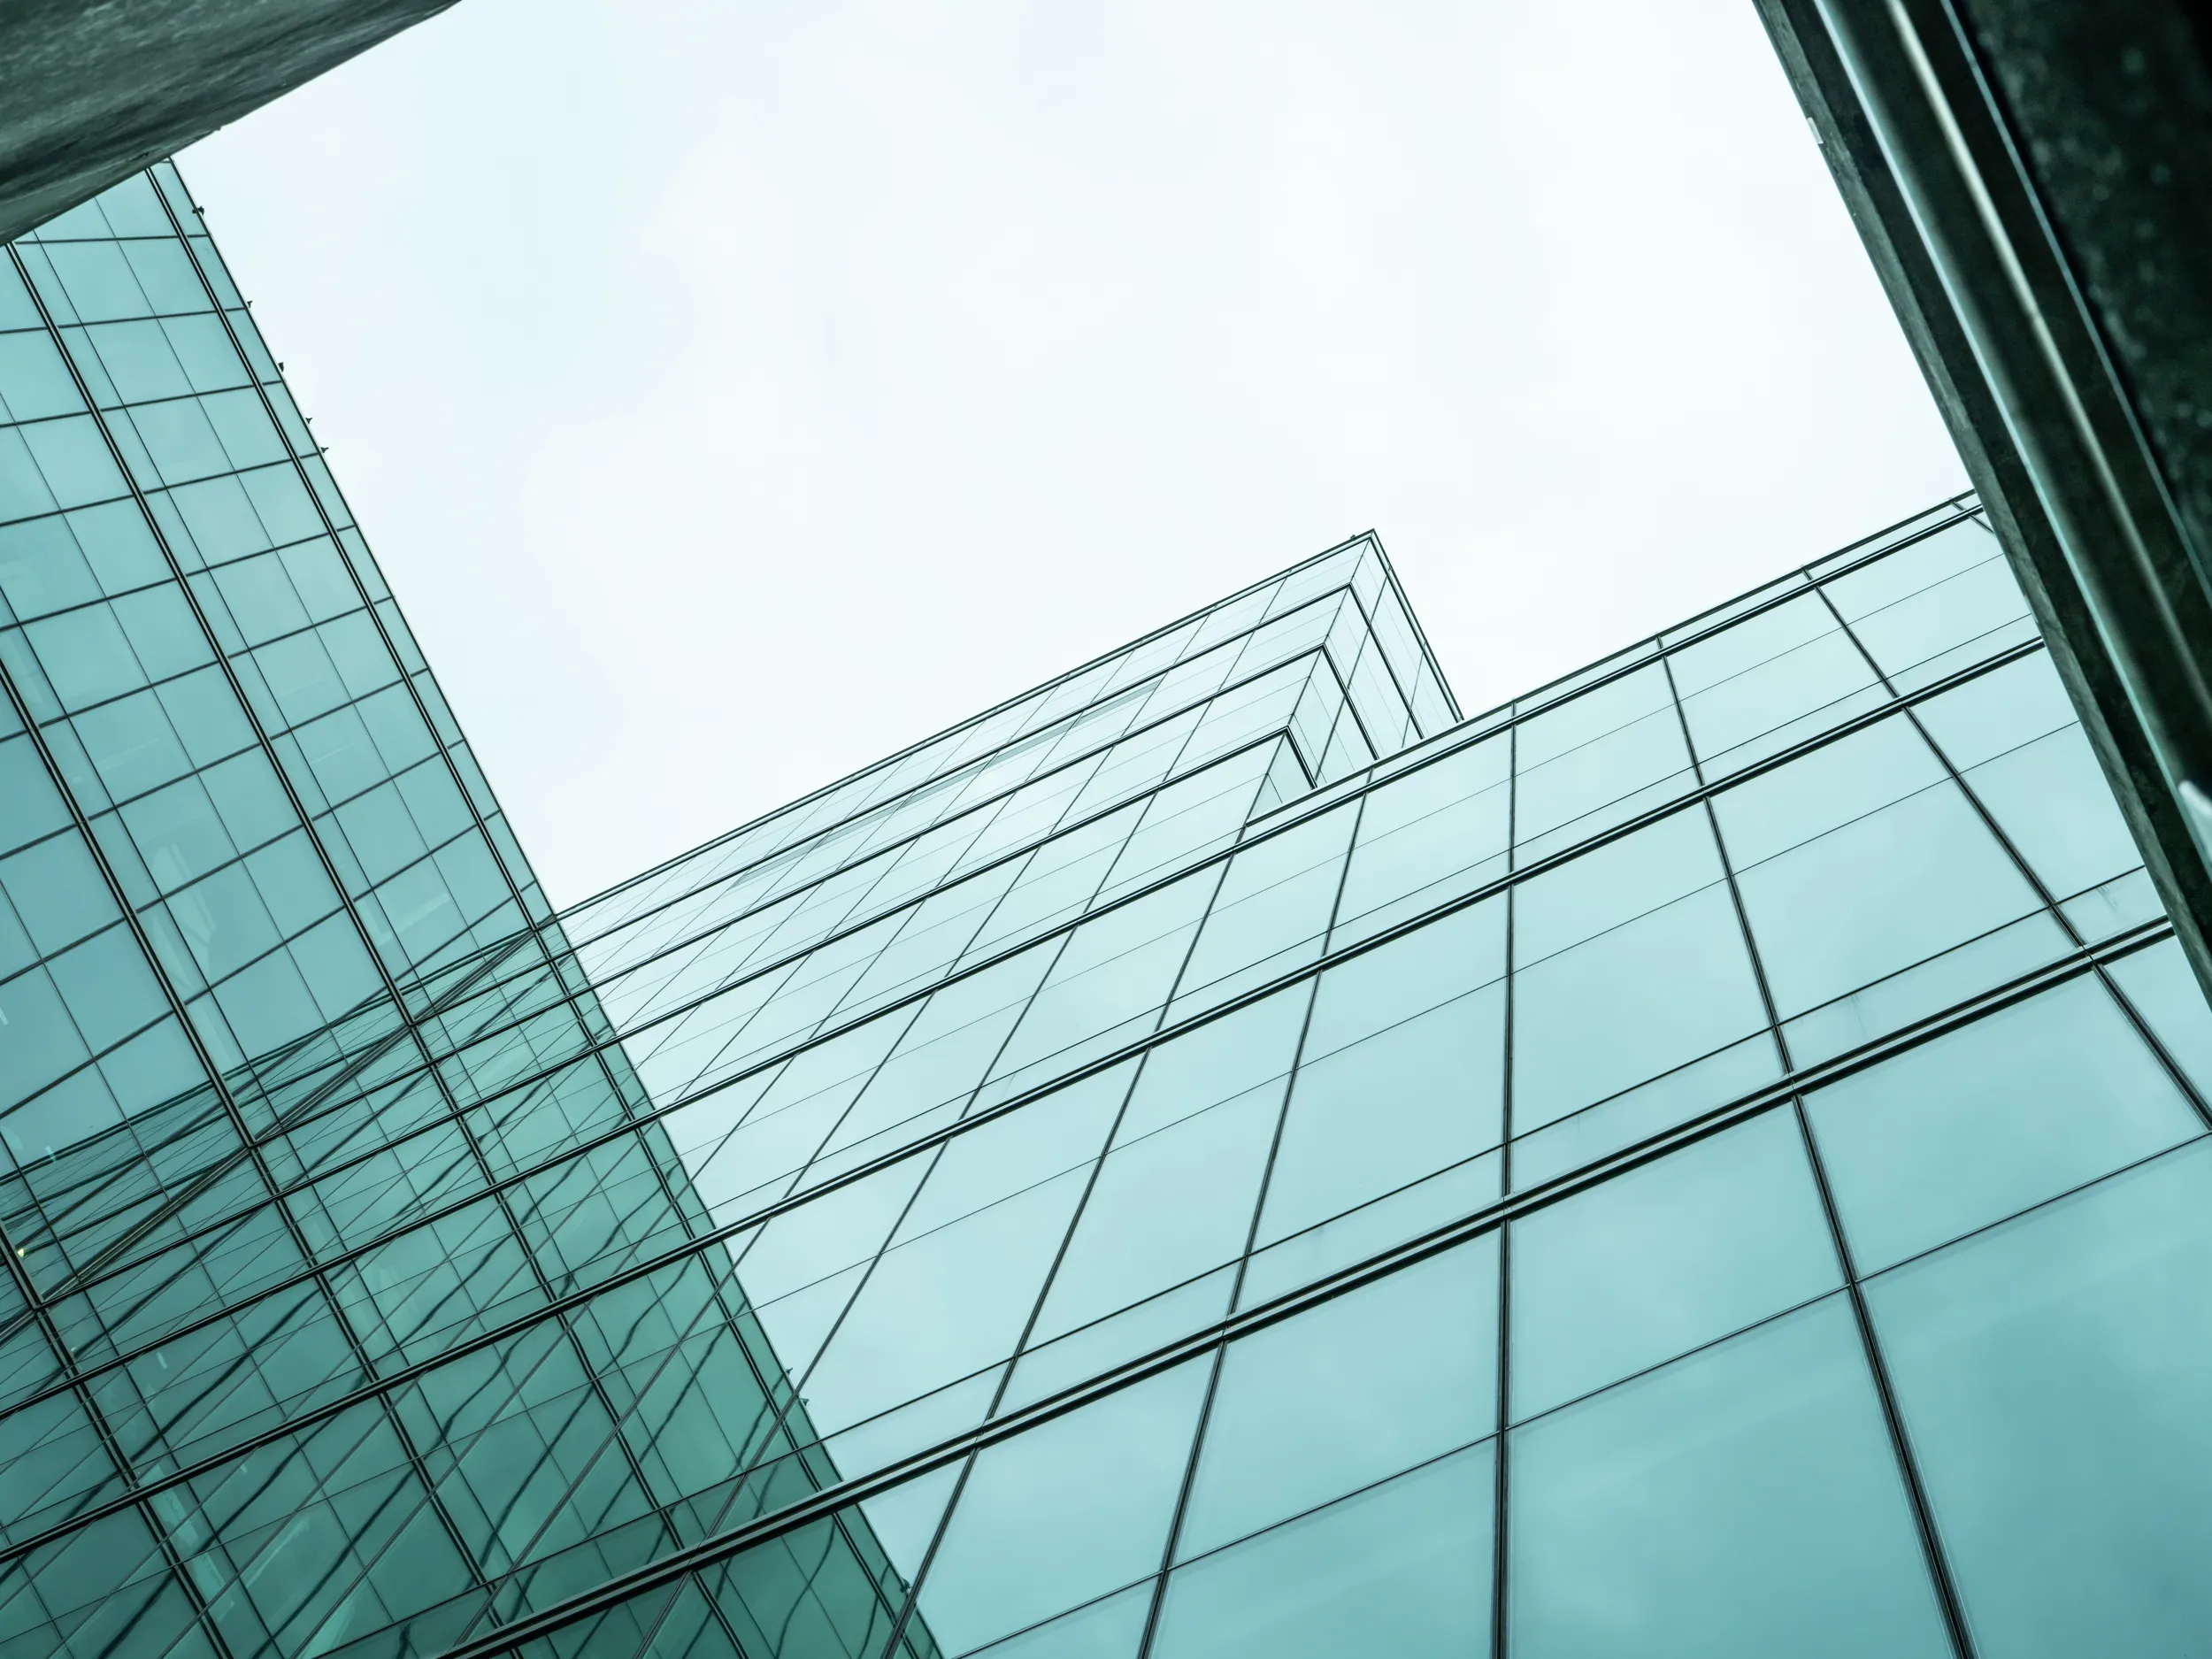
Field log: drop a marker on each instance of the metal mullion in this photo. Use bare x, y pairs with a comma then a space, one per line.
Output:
414, 694
1044, 1290
1932, 1556
663, 952
221, 1089
780, 1416
1242, 1264
1923, 1519
2134, 1015
1911, 709
1501, 1480
1728, 874
1094, 753
1488, 890
711, 1303
1574, 1180
322, 511
1390, 584
1153, 1364
105, 1432
1516, 715
1842, 729
1420, 635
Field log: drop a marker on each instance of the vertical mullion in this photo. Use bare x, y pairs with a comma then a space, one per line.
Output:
1501, 1494
1243, 1262
251, 1149
1917, 1497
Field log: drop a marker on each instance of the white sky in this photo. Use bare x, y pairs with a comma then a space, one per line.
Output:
734, 391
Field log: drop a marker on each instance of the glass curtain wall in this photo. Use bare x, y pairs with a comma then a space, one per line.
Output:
254, 899
1218, 1156
1705, 1159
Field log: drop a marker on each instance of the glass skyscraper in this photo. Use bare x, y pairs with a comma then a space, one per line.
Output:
1220, 1155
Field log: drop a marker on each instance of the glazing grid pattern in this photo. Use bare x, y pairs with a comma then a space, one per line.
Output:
1683, 1255
247, 868
1443, 1278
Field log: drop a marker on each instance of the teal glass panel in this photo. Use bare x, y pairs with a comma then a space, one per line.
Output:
1417, 1097
1741, 1501
1108, 984
2158, 981
1425, 837
1403, 1569
1597, 761
1603, 888
2052, 1374
1676, 1253
1815, 792
2010, 1111
1416, 972
1770, 682
2050, 799
1937, 606
1110, 1629
1357, 1389
1166, 1206
1270, 917
1675, 986
1874, 893
1060, 1515
1248, 1050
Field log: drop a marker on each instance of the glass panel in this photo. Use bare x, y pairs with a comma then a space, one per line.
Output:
1598, 761
2053, 1374
2159, 983
1063, 1513
1872, 895
1658, 1260
1656, 944
1357, 1389
1989, 1119
1425, 837
1410, 1101
1402, 1570
1110, 1629
1739, 1503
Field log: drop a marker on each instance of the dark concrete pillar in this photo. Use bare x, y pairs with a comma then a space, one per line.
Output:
93, 90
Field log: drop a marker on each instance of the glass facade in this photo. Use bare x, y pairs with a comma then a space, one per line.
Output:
1218, 1155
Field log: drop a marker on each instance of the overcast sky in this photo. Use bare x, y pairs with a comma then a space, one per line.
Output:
734, 391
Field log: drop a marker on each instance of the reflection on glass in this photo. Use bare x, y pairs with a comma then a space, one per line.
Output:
1651, 1263
2053, 1373
1741, 1501
1342, 1395
1402, 1569
1072, 1508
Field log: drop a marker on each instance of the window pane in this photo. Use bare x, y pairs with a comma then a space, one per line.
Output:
1878, 895
1348, 1394
1655, 1262
2053, 1374
1428, 836
1741, 1503
2164, 991
1410, 1101
1110, 1629
1652, 994
1997, 1115
1404, 1569
1064, 1512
